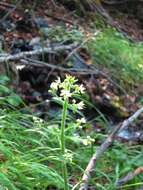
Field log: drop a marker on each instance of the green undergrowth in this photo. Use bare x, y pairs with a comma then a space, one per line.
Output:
122, 58
30, 155
109, 51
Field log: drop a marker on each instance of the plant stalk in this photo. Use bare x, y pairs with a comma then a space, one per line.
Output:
63, 147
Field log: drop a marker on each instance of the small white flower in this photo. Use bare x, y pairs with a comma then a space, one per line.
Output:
58, 81
91, 140
80, 127
80, 105
81, 89
54, 86
37, 120
68, 156
74, 101
70, 79
85, 142
65, 93
88, 141
82, 120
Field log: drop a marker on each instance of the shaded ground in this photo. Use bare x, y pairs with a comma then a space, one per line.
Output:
26, 29
128, 16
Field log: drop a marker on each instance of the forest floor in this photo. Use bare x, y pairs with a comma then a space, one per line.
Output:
27, 27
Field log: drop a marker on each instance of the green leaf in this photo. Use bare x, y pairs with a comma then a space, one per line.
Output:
14, 100
4, 89
4, 181
4, 79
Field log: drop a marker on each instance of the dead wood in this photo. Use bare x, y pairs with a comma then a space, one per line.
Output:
51, 49
104, 146
130, 176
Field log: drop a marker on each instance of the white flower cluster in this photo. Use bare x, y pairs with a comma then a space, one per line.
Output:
88, 141
68, 89
37, 120
68, 156
80, 122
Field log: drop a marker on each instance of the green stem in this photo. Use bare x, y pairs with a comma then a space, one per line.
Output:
63, 122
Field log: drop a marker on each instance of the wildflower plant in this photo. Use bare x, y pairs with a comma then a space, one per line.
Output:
65, 92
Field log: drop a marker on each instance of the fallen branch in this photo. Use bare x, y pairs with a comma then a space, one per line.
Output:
90, 167
36, 63
114, 2
51, 49
60, 19
129, 176
89, 71
8, 5
11, 10
81, 45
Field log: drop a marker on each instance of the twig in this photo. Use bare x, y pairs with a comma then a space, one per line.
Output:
60, 19
54, 3
90, 167
11, 10
7, 5
129, 176
89, 71
114, 2
36, 63
37, 52
80, 45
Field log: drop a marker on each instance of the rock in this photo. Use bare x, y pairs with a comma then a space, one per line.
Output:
20, 45
35, 43
78, 62
41, 22
43, 26
44, 31
7, 25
